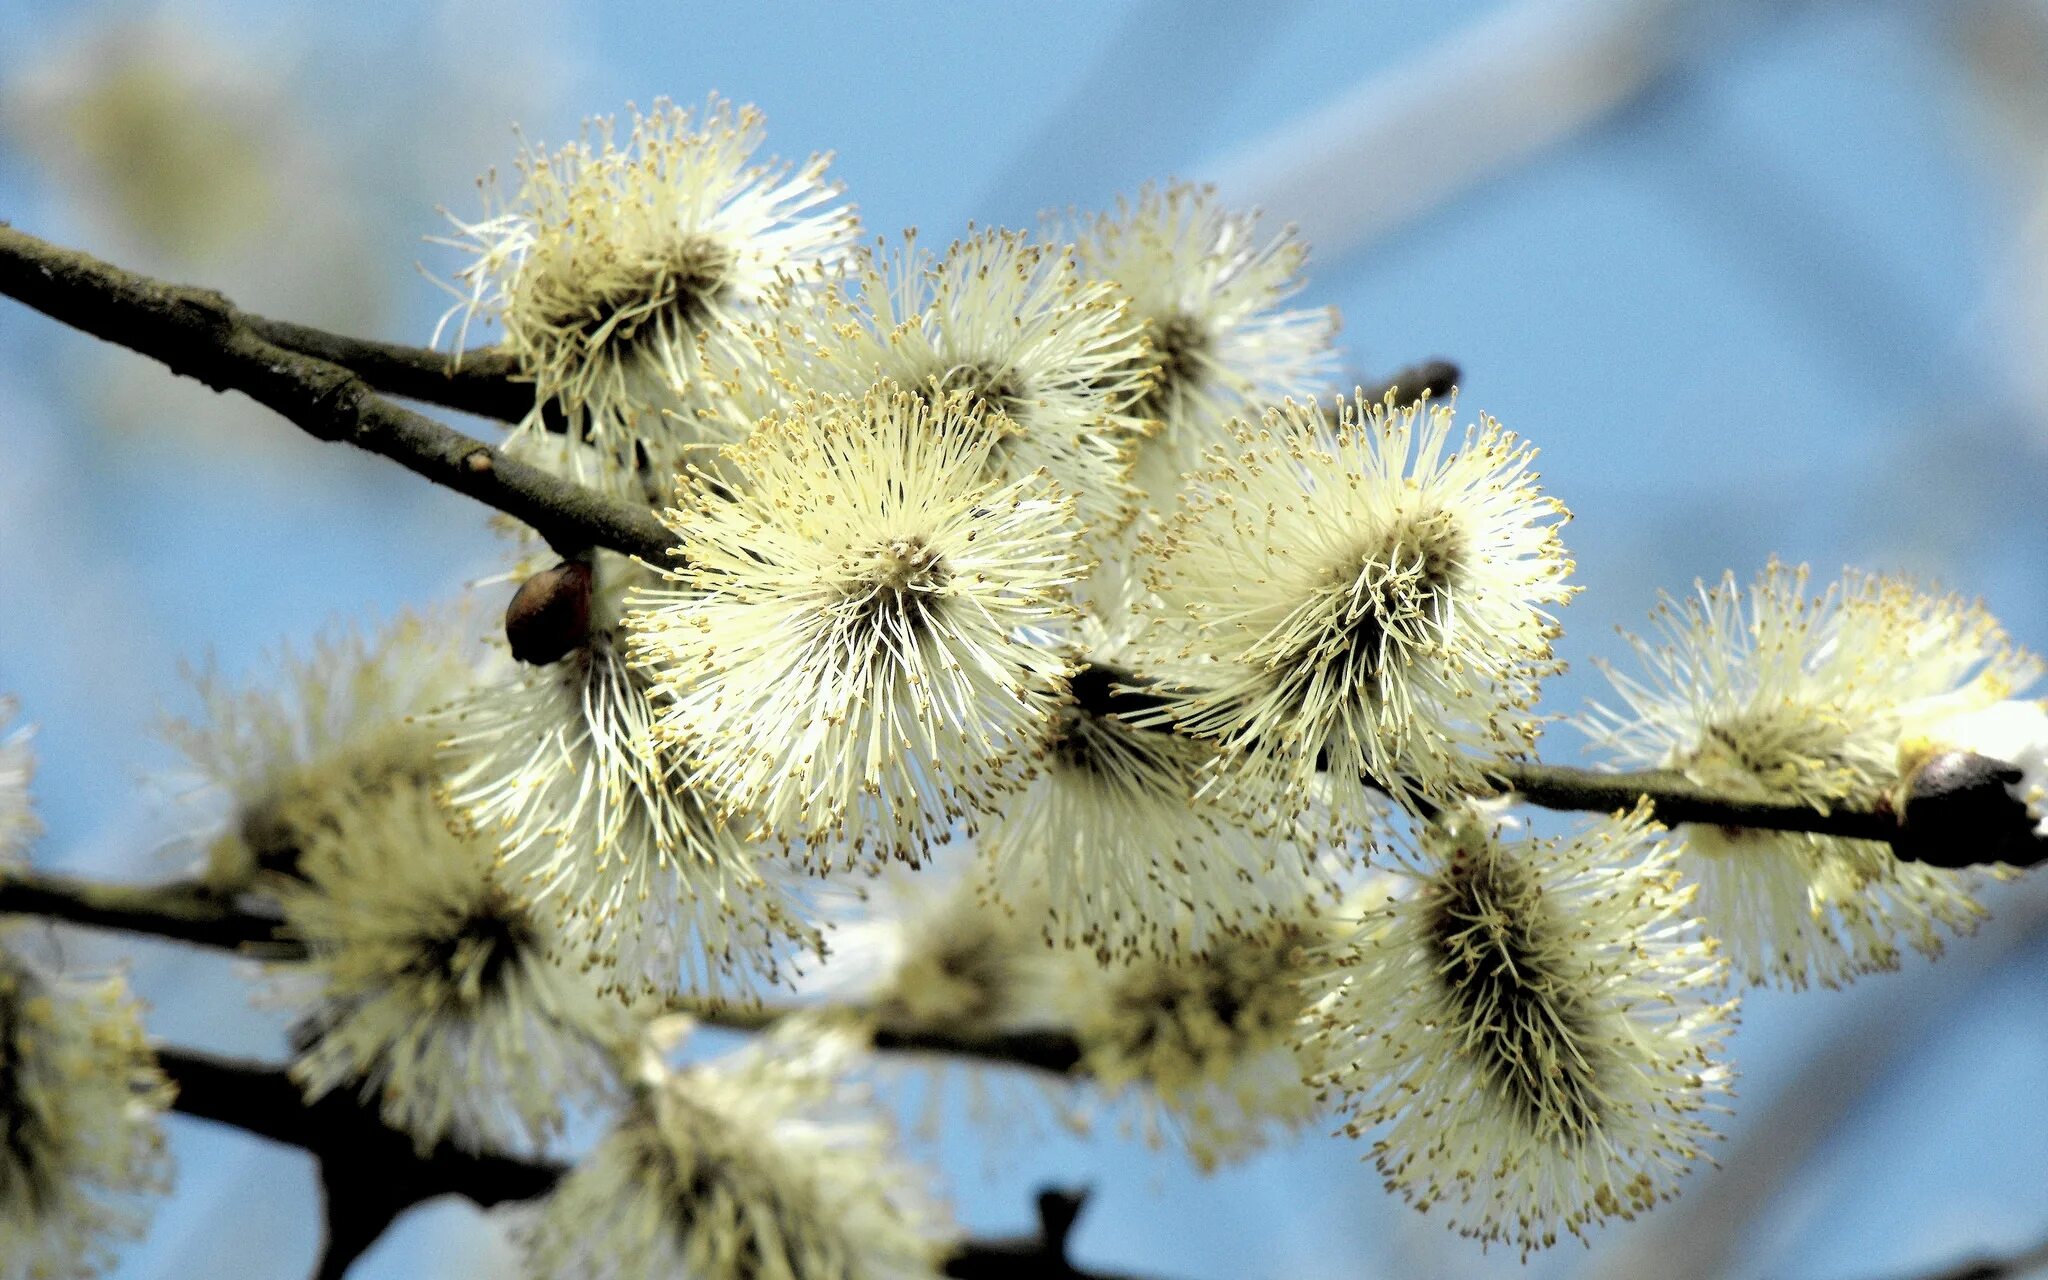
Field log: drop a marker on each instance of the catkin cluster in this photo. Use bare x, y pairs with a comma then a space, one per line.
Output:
1050, 639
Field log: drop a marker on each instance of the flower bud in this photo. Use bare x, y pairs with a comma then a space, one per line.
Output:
1962, 808
550, 614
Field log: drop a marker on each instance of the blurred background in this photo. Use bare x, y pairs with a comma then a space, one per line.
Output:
1759, 276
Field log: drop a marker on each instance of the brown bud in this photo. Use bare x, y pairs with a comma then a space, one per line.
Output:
1960, 810
549, 616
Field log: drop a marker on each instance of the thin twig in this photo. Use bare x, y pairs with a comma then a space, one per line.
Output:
1430, 378
200, 334
372, 1173
1678, 799
2028, 1262
1048, 1049
186, 911
183, 910
484, 382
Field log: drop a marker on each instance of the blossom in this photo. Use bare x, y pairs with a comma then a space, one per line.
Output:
1529, 1022
1777, 695
1205, 286
613, 265
1209, 1043
927, 950
855, 644
1371, 596
18, 823
1011, 328
761, 1166
1118, 839
558, 765
434, 987
80, 1098
339, 728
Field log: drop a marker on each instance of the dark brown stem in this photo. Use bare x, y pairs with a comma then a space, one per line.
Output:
1429, 378
184, 911
2029, 1262
1677, 799
370, 1173
484, 382
202, 335
1039, 1256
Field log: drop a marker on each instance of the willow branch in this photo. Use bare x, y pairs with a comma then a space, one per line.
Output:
483, 382
200, 334
1048, 1049
1678, 799
1675, 799
383, 1175
2031, 1262
1429, 378
1958, 837
184, 911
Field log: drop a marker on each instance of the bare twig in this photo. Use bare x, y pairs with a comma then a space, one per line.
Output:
184, 911
2029, 1262
1047, 1049
202, 335
1430, 378
1675, 799
370, 1173
484, 382
1678, 799
1039, 1256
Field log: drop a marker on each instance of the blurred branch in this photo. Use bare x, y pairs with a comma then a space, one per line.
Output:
1788, 1117
1041, 1256
1048, 1050
2031, 1262
185, 911
1526, 77
1429, 378
370, 1172
200, 334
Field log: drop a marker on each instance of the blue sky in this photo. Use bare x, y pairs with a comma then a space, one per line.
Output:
1775, 301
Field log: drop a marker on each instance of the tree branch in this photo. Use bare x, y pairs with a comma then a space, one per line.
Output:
371, 1172
1429, 378
200, 334
2028, 1262
1104, 689
1053, 1051
184, 911
1040, 1256
484, 382
1959, 838
1678, 799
